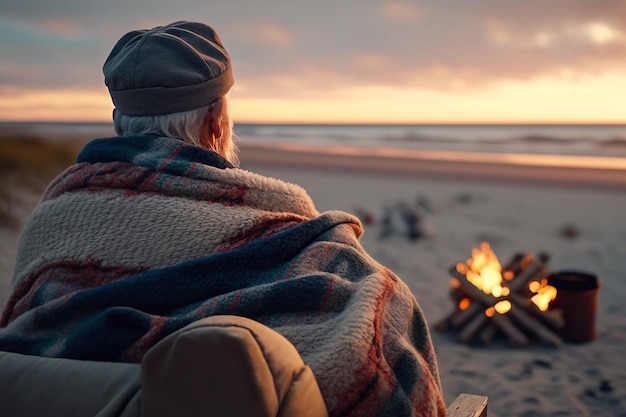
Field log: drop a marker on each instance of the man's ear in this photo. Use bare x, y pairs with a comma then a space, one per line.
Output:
215, 113
207, 137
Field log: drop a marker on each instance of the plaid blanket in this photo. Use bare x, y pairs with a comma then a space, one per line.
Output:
145, 235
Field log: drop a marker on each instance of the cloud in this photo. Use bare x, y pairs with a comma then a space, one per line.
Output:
401, 11
264, 34
62, 27
55, 54
602, 33
583, 33
274, 35
469, 46
312, 49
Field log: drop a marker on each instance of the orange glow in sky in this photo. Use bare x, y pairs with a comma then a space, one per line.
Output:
56, 105
590, 100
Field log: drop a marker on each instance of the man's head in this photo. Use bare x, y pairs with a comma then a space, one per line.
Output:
172, 80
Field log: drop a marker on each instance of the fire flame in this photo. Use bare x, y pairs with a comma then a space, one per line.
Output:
544, 293
464, 303
501, 307
484, 271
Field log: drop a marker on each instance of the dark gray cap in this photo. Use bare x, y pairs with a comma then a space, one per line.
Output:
167, 69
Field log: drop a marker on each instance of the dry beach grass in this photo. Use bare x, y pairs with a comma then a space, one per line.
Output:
27, 164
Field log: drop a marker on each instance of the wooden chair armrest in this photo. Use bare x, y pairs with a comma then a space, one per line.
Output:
468, 405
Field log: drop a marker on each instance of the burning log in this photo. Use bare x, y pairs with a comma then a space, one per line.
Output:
518, 262
511, 300
500, 320
468, 333
555, 321
458, 317
503, 323
464, 315
542, 332
532, 270
487, 333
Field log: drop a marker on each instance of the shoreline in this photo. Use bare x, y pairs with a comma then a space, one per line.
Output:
608, 173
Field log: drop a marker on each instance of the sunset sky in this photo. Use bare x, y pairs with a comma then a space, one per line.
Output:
339, 61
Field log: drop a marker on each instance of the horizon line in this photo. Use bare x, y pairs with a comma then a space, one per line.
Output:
356, 123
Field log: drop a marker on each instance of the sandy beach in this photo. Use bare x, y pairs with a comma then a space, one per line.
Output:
574, 214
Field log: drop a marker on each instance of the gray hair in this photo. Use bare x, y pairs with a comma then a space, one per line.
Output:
185, 126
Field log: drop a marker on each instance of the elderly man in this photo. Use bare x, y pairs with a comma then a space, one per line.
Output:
156, 228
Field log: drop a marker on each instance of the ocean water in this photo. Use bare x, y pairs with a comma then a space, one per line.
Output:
580, 140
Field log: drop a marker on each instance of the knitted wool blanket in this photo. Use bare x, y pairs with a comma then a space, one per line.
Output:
145, 235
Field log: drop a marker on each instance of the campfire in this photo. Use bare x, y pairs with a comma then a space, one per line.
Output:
511, 300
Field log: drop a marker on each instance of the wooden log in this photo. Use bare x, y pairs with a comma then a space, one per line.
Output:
555, 321
518, 263
445, 324
465, 315
487, 333
526, 260
473, 292
470, 330
458, 317
456, 295
515, 336
512, 264
535, 327
528, 273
